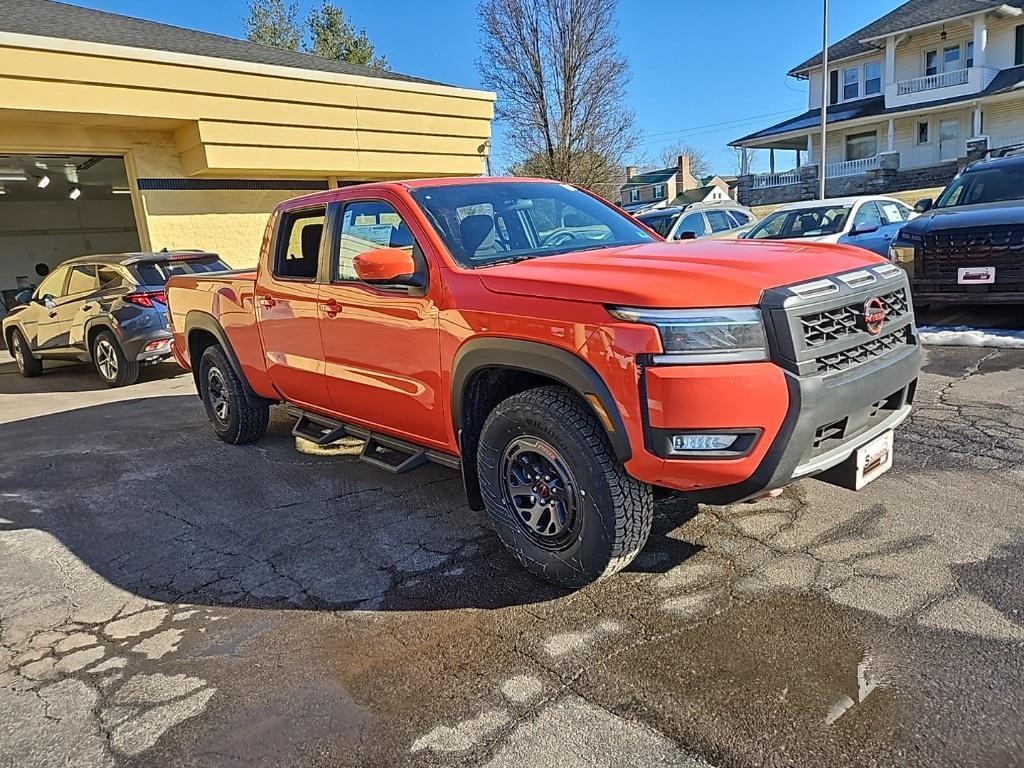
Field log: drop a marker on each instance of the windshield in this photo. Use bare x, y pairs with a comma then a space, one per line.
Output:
661, 222
986, 185
805, 222
489, 223
158, 272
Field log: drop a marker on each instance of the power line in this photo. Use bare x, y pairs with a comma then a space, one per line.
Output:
725, 123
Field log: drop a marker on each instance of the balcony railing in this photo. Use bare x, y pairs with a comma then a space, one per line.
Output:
851, 167
931, 82
766, 180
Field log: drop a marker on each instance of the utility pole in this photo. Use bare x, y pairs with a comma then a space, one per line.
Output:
825, 83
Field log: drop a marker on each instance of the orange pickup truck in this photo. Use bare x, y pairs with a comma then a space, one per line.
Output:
563, 357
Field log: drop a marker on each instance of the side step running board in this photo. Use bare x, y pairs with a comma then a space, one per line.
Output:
388, 453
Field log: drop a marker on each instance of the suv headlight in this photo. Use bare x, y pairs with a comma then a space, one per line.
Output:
726, 335
902, 254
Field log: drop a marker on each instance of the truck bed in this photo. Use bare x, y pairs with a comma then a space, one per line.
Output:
228, 298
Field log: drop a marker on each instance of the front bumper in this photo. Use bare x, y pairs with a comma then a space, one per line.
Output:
830, 388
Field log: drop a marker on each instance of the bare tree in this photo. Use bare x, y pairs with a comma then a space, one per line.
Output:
700, 164
561, 83
744, 158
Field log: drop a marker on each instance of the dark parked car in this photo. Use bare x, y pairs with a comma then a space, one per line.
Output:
109, 310
969, 246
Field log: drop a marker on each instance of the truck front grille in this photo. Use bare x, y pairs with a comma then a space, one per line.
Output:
1002, 247
826, 332
820, 328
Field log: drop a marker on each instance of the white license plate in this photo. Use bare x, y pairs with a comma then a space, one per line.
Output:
976, 275
874, 459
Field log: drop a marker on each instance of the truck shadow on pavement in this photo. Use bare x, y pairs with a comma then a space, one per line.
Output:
144, 494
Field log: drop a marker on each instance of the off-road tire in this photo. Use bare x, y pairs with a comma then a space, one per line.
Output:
29, 365
243, 421
124, 372
616, 510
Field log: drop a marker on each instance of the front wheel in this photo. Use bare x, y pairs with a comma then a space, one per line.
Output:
561, 501
235, 419
112, 364
28, 364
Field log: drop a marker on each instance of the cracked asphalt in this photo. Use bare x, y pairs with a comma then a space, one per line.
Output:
167, 600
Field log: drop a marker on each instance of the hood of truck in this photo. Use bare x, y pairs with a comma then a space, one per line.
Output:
704, 273
1005, 213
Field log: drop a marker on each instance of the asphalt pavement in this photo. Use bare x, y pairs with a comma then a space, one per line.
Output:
168, 600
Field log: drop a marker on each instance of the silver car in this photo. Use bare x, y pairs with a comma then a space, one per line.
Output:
713, 220
107, 310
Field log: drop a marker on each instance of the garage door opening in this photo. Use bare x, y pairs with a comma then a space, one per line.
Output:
56, 207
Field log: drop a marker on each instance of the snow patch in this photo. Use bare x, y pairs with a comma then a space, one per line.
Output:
966, 336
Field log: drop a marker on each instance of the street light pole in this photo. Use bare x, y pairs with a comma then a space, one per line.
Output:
825, 83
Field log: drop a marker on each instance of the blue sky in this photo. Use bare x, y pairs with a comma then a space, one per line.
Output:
702, 72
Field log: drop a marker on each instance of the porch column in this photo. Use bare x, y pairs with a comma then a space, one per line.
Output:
744, 162
976, 126
810, 147
890, 61
771, 161
891, 135
980, 40
798, 158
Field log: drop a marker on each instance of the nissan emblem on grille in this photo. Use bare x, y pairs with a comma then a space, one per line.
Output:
873, 316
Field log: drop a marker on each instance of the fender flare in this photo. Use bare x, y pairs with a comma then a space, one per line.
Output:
197, 320
545, 359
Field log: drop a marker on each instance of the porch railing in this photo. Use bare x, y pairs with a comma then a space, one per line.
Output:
766, 180
931, 82
851, 167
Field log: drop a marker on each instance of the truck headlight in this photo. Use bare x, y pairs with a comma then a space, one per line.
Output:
902, 254
728, 335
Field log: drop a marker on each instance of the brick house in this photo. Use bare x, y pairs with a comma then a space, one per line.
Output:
675, 185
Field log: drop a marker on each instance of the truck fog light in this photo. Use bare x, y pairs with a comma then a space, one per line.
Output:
697, 442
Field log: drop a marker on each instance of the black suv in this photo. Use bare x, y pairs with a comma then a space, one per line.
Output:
109, 310
969, 246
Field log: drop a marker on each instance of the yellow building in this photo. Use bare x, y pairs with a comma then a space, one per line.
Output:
118, 134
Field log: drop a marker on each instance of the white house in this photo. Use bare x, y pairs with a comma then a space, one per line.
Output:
907, 94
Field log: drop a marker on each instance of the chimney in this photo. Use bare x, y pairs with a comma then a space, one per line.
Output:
684, 179
630, 172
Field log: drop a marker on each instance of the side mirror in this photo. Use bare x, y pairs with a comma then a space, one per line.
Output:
48, 301
687, 234
386, 265
863, 229
923, 206
24, 297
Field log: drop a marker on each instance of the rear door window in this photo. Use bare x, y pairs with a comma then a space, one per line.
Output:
740, 217
719, 220
298, 244
83, 280
867, 216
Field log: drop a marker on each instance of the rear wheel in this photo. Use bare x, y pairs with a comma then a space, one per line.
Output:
235, 419
561, 501
28, 364
112, 365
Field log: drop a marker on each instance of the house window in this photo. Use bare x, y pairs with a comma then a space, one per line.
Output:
872, 78
851, 83
950, 58
659, 191
860, 146
923, 132
1018, 51
969, 48
634, 195
931, 63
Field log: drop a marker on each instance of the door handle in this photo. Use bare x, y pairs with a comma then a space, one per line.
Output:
267, 302
332, 308
87, 307
53, 314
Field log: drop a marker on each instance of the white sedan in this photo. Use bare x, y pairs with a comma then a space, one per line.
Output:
868, 221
